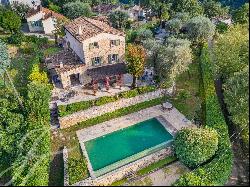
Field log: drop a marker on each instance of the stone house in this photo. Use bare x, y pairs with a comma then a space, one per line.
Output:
42, 20
93, 53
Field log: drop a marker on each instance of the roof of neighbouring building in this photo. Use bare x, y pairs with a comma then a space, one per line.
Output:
108, 70
47, 13
104, 8
90, 27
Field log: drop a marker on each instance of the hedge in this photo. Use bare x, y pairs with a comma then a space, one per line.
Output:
218, 170
83, 105
194, 146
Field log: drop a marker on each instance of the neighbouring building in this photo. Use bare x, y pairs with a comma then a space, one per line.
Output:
136, 13
93, 53
105, 9
222, 19
42, 20
30, 3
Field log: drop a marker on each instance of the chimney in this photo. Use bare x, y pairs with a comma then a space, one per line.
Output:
61, 64
80, 30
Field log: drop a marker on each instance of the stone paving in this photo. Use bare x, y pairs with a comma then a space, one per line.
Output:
162, 177
83, 94
95, 111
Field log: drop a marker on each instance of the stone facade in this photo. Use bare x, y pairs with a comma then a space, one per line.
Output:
105, 48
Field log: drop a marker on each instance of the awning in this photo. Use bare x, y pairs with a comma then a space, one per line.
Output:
108, 70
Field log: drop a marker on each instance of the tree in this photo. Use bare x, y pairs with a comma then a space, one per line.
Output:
152, 49
231, 51
118, 19
135, 56
214, 9
192, 7
144, 33
236, 93
10, 21
54, 7
173, 59
59, 28
20, 9
194, 146
241, 15
200, 29
174, 25
76, 9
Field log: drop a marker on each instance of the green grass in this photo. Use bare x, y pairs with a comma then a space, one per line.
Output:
188, 84
157, 165
51, 50
119, 182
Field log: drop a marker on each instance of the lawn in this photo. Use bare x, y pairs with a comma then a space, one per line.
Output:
188, 98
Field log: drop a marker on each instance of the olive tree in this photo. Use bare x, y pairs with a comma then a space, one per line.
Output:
200, 29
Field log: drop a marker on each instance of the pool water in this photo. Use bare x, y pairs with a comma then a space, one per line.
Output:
118, 145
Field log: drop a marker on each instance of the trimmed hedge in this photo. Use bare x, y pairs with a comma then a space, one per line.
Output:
195, 146
77, 169
83, 105
219, 169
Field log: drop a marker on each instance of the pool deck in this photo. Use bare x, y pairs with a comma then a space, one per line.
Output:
173, 121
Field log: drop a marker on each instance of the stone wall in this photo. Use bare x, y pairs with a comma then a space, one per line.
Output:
95, 111
65, 164
122, 172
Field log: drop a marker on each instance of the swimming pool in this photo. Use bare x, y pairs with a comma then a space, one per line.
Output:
126, 145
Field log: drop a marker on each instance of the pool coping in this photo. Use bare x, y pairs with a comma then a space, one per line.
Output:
162, 120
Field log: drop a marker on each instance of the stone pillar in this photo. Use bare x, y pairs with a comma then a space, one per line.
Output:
107, 83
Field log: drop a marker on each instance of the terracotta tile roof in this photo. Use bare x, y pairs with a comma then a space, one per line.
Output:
47, 13
67, 58
104, 8
90, 28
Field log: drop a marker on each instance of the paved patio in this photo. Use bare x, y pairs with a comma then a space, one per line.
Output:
78, 93
162, 177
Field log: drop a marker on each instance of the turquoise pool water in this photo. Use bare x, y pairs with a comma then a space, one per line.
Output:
119, 145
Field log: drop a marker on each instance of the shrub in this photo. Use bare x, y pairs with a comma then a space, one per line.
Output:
219, 169
16, 38
146, 89
129, 94
195, 146
105, 100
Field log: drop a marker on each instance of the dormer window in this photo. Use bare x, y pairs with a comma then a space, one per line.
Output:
93, 45
114, 43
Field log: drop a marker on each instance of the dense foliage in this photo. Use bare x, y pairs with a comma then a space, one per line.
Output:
25, 131
241, 15
9, 21
232, 64
76, 9
195, 146
118, 19
218, 170
200, 29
